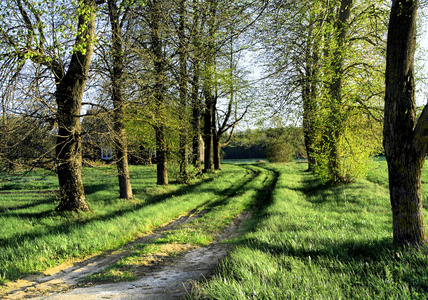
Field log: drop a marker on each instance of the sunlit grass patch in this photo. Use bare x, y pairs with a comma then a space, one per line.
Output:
34, 237
317, 242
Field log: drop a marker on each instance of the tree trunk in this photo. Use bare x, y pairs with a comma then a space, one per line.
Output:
309, 93
125, 189
184, 149
308, 125
161, 156
216, 152
159, 93
69, 93
195, 98
405, 140
209, 89
335, 120
208, 133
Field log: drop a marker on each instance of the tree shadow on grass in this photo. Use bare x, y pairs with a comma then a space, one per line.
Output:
74, 221
364, 261
8, 209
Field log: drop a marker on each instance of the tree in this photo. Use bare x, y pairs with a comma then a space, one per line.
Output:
335, 123
209, 86
405, 137
29, 44
183, 80
159, 90
196, 101
322, 72
117, 82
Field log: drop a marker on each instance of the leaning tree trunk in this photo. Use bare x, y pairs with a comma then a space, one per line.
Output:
405, 139
125, 189
68, 97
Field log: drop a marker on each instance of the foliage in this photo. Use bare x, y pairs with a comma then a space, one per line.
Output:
281, 144
332, 66
25, 143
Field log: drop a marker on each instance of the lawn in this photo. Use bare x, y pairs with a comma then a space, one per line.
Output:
304, 241
34, 237
313, 242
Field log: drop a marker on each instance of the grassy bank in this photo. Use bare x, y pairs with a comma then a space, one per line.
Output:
34, 237
313, 242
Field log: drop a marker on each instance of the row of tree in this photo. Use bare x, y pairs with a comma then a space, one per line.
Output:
162, 67
338, 67
171, 66
330, 56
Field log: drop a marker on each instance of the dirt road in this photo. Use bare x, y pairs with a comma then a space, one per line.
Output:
169, 279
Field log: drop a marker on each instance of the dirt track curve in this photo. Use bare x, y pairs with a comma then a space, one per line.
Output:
167, 280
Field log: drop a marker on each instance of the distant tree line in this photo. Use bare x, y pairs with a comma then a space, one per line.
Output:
282, 144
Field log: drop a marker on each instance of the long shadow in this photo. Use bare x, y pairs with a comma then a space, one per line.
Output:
357, 258
93, 188
263, 196
361, 259
66, 228
24, 206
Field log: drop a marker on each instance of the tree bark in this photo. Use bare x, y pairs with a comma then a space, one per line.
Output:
159, 93
208, 132
195, 98
309, 93
69, 93
334, 127
216, 151
209, 89
125, 189
405, 139
184, 149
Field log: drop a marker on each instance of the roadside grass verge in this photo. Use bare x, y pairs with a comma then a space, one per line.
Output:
314, 242
215, 216
34, 237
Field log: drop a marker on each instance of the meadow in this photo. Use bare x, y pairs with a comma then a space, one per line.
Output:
304, 240
313, 242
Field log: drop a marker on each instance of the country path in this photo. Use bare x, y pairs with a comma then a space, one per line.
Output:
168, 279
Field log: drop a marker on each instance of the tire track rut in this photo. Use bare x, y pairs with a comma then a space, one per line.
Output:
170, 279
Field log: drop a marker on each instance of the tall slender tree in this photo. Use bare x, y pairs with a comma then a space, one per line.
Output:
117, 82
156, 14
196, 101
183, 83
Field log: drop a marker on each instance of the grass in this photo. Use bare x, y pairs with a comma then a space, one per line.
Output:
305, 241
34, 237
313, 242
218, 213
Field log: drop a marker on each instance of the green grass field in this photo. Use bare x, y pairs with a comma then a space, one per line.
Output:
304, 241
313, 242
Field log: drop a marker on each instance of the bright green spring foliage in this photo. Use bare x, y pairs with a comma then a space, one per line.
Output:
350, 99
